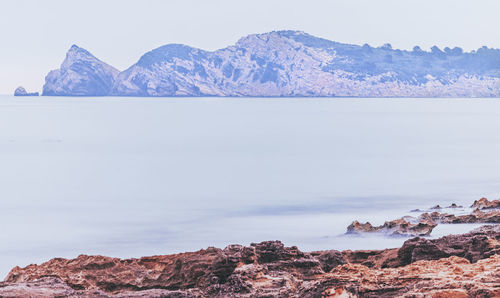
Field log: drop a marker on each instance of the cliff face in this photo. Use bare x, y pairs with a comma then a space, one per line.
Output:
292, 63
455, 266
81, 74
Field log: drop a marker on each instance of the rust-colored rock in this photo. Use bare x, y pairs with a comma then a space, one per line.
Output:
485, 212
477, 216
448, 277
397, 227
451, 266
373, 258
476, 245
484, 203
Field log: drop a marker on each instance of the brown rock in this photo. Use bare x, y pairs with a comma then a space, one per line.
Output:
483, 203
329, 259
476, 245
477, 216
373, 258
439, 278
398, 227
269, 269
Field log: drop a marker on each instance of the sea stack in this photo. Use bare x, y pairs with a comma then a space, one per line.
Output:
20, 91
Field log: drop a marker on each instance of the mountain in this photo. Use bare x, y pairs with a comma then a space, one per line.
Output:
81, 74
289, 63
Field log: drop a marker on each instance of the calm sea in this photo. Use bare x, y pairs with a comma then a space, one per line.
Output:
130, 177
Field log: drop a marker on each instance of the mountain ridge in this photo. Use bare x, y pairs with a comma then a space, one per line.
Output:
285, 63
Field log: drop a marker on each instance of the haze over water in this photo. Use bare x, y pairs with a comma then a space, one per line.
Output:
131, 177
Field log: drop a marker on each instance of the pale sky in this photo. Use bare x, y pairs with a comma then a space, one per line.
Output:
36, 34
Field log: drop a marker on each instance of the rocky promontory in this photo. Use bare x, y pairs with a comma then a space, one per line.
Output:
81, 74
284, 63
465, 265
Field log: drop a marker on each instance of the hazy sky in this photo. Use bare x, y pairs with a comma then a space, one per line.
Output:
36, 34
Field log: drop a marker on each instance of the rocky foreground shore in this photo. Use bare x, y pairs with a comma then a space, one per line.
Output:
466, 265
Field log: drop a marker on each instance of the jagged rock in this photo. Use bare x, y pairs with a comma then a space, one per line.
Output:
437, 207
398, 227
20, 91
448, 277
329, 259
373, 258
484, 203
206, 269
477, 216
457, 265
478, 244
81, 74
286, 63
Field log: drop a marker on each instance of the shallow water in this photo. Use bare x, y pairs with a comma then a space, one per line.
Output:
130, 177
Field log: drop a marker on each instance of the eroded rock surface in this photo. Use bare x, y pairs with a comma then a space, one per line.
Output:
447, 277
478, 244
452, 266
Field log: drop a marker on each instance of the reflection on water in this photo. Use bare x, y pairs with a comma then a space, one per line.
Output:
131, 177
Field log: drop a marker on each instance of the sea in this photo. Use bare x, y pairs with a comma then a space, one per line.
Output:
132, 177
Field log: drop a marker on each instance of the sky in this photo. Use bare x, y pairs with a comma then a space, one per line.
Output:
35, 35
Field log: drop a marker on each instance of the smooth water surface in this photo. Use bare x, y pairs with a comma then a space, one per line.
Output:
130, 177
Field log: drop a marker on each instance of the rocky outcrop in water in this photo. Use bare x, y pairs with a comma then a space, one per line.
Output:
20, 91
478, 244
477, 216
484, 203
485, 212
286, 63
465, 265
81, 74
397, 227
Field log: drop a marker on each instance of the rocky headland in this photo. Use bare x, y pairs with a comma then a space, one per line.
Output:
284, 63
81, 74
466, 265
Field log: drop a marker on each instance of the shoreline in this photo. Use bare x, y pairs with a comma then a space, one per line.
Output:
468, 265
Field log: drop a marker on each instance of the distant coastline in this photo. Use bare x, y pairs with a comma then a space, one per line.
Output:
284, 64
